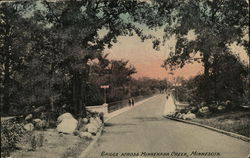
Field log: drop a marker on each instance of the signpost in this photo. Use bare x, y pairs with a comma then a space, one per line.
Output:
104, 87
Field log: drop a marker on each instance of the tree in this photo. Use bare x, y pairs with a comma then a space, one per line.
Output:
68, 36
12, 46
216, 25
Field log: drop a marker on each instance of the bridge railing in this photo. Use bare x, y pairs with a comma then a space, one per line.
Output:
113, 106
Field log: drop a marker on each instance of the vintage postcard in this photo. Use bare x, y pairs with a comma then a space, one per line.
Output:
124, 78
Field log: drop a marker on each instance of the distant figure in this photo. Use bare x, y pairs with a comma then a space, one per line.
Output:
132, 101
129, 102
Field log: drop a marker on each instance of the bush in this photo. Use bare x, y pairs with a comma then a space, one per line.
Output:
11, 134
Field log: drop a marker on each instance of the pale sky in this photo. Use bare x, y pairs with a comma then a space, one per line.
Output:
148, 61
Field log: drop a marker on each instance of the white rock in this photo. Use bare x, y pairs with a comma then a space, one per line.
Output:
85, 120
91, 128
28, 117
221, 108
189, 116
64, 116
85, 135
94, 122
68, 125
29, 127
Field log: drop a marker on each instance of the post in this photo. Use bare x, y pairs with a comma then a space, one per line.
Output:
105, 97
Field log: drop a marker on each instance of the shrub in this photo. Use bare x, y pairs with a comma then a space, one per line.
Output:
36, 140
11, 134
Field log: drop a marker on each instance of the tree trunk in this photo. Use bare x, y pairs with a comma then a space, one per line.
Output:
206, 75
6, 80
6, 84
79, 88
74, 92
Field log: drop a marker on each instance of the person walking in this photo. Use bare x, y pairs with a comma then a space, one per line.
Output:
132, 101
129, 102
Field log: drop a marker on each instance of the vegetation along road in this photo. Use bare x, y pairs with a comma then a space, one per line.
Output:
143, 132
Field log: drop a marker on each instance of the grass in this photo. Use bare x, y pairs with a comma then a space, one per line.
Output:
236, 122
55, 145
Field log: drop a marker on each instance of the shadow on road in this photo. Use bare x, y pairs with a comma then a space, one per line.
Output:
118, 124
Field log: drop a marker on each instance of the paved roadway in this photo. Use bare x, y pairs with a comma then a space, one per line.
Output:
144, 130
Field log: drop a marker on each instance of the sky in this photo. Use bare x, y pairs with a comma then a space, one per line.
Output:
148, 61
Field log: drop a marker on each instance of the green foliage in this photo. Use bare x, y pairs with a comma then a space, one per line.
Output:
11, 134
226, 83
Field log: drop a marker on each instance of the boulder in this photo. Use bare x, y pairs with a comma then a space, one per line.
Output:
28, 117
189, 116
204, 110
64, 116
221, 108
67, 125
98, 120
91, 128
85, 135
28, 127
41, 124
85, 120
94, 122
36, 120
178, 115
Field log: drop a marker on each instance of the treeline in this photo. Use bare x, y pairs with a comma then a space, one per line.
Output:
228, 85
52, 54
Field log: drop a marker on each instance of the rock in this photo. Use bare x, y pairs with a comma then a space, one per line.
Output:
221, 108
83, 129
29, 127
64, 116
204, 110
189, 116
76, 133
91, 128
98, 120
28, 117
36, 120
85, 120
178, 115
67, 125
40, 109
85, 135
41, 125
94, 122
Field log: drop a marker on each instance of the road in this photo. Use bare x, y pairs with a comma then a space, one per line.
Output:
143, 131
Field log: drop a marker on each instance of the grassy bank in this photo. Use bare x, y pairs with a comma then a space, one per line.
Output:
236, 122
54, 145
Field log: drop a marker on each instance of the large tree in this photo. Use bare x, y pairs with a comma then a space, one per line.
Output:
69, 34
216, 24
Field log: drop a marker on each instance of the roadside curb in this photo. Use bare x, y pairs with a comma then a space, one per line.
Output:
238, 136
91, 145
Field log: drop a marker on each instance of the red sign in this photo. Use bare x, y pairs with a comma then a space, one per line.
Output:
104, 86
